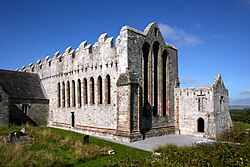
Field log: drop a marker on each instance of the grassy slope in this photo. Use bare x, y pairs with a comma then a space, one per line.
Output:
54, 147
206, 155
58, 147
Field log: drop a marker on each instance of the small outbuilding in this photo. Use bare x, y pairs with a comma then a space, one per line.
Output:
22, 99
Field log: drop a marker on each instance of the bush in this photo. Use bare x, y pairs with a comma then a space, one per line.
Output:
240, 115
239, 133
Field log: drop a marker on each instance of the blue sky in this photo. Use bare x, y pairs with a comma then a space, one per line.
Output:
212, 36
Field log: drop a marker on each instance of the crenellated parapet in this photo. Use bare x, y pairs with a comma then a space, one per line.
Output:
101, 54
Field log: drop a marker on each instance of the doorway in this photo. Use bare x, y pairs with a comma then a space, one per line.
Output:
72, 119
201, 125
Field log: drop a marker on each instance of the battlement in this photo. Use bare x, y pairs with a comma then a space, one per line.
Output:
102, 53
77, 58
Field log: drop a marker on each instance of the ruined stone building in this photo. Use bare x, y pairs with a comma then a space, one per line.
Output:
22, 99
128, 90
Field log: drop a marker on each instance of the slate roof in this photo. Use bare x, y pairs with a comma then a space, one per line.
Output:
21, 85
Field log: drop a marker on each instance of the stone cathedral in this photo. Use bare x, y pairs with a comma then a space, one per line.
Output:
126, 91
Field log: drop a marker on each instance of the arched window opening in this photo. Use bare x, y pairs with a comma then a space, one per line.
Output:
68, 94
58, 95
92, 91
73, 94
201, 125
155, 73
79, 95
221, 103
100, 90
164, 82
85, 85
107, 90
63, 94
145, 51
156, 32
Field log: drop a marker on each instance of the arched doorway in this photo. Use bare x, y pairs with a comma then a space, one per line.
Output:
201, 126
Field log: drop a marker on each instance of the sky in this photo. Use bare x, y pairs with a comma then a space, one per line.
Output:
212, 36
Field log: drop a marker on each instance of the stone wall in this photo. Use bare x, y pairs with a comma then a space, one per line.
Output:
203, 110
194, 103
117, 108
4, 107
221, 106
37, 111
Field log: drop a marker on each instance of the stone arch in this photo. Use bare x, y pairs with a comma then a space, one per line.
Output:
85, 90
79, 93
58, 95
73, 92
92, 90
68, 93
107, 90
200, 125
99, 86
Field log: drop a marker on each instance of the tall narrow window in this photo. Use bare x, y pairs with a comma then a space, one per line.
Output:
0, 98
63, 94
68, 94
199, 104
221, 103
145, 50
164, 82
107, 90
59, 94
25, 108
73, 94
79, 95
85, 84
100, 90
92, 91
155, 73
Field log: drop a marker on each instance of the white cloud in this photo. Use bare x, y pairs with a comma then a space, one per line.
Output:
246, 91
187, 80
178, 36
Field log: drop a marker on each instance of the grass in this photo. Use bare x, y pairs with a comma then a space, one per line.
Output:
218, 154
206, 155
55, 147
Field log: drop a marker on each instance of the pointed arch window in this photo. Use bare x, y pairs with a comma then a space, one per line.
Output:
63, 94
155, 74
58, 95
85, 89
79, 93
92, 91
107, 90
100, 90
73, 94
68, 93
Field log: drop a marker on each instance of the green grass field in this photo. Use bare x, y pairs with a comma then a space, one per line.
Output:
55, 147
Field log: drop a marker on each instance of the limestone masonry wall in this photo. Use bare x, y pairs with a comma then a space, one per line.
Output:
127, 91
203, 110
